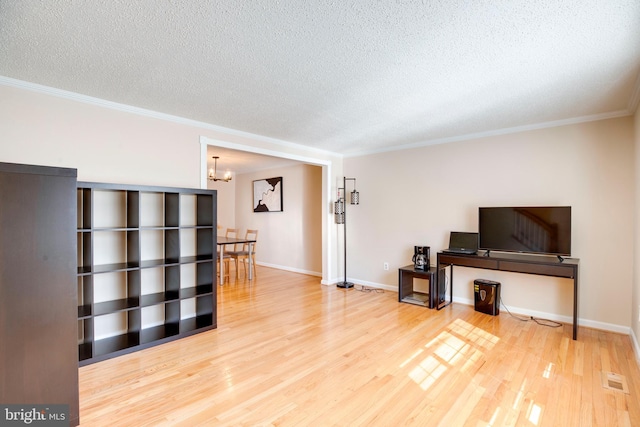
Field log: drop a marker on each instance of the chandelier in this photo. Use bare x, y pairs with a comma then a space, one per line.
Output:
213, 172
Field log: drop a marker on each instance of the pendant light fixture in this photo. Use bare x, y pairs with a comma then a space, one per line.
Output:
213, 171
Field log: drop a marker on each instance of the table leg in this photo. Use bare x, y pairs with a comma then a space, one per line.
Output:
221, 265
442, 293
575, 306
450, 287
250, 260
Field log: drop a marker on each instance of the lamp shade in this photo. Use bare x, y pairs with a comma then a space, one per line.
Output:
355, 198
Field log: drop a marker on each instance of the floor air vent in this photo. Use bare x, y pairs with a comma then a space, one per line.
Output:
615, 382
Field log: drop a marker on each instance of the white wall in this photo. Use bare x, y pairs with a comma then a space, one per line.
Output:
416, 197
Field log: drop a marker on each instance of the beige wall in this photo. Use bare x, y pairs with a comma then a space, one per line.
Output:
635, 305
290, 239
107, 144
407, 197
417, 196
226, 203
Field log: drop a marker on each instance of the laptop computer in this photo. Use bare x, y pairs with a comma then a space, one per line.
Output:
462, 243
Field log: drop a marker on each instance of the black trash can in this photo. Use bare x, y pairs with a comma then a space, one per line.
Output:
487, 296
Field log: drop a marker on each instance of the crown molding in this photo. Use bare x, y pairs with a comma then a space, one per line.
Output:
34, 87
73, 96
496, 132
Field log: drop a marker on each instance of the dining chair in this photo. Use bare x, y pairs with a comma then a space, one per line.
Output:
244, 254
230, 232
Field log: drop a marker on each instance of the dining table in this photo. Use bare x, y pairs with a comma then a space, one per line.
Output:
223, 241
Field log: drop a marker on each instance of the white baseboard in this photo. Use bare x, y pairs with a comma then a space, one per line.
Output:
516, 310
635, 345
286, 268
364, 283
526, 312
557, 317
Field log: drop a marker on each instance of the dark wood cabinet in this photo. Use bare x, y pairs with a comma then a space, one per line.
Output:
425, 297
38, 301
146, 266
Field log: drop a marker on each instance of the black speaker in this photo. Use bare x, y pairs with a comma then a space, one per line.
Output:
487, 296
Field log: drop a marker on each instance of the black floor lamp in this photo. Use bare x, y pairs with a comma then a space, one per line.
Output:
340, 215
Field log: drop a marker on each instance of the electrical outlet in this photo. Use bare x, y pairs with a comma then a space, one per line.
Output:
385, 265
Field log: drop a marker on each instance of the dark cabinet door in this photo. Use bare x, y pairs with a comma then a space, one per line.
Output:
38, 288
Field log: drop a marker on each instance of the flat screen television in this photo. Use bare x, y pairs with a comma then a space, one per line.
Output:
536, 230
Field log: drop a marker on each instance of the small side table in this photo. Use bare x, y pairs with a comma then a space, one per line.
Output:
407, 294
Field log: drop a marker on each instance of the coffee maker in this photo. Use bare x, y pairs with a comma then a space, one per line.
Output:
421, 257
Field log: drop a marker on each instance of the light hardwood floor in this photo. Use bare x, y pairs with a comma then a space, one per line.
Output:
291, 352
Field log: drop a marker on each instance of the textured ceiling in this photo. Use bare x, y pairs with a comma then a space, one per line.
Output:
344, 76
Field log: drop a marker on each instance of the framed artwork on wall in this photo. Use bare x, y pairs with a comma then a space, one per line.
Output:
267, 195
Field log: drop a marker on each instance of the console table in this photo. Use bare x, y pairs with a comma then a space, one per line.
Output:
519, 263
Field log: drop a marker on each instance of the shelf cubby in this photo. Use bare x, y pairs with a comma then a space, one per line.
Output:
85, 350
188, 210
133, 248
169, 327
116, 344
159, 298
85, 296
196, 291
172, 210
152, 316
204, 273
187, 308
85, 338
159, 333
146, 266
172, 245
204, 239
151, 209
85, 240
133, 209
205, 210
195, 323
151, 244
112, 244
108, 208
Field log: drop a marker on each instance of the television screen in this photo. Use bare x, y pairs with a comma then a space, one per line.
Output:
538, 230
